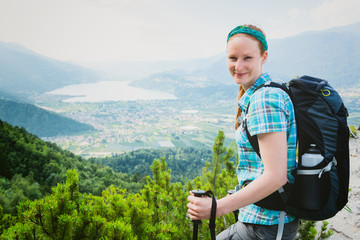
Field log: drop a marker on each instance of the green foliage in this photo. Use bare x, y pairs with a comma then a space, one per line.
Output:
158, 211
353, 131
325, 233
68, 214
6, 220
30, 167
185, 163
168, 201
307, 231
18, 189
214, 173
219, 175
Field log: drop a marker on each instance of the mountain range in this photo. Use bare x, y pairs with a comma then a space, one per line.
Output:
332, 54
39, 121
25, 73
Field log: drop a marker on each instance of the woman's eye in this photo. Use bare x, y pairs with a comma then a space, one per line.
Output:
247, 58
232, 58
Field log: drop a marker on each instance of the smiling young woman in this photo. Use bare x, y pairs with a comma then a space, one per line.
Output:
245, 59
270, 116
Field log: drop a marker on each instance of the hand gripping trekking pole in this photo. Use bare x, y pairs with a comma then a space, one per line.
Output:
196, 223
200, 193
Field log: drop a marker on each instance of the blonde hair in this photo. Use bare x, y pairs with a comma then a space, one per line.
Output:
240, 94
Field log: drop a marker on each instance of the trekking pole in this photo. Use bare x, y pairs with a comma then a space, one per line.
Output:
236, 212
197, 193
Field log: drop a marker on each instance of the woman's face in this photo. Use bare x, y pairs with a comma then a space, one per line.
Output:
244, 59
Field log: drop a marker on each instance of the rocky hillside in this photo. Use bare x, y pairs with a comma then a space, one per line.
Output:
346, 225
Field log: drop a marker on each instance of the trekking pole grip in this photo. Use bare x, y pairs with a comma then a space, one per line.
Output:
197, 193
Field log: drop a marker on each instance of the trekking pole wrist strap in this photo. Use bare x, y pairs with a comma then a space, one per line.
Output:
212, 214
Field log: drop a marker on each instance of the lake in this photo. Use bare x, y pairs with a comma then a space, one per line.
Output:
108, 91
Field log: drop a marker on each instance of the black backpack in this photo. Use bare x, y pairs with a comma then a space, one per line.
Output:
321, 119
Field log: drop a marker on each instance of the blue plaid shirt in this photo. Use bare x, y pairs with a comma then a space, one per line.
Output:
270, 110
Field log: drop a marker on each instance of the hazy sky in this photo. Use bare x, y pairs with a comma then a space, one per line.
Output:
138, 30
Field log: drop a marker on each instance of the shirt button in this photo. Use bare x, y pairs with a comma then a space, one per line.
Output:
262, 210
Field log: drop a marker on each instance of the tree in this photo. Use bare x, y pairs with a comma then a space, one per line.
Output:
212, 172
168, 201
68, 214
219, 175
307, 231
157, 213
353, 131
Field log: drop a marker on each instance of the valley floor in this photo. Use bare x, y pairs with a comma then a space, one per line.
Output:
128, 126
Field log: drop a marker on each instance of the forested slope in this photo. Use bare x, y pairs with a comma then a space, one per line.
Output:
185, 163
39, 121
157, 212
30, 167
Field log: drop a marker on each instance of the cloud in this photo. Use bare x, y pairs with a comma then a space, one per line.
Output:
111, 30
287, 23
293, 13
336, 12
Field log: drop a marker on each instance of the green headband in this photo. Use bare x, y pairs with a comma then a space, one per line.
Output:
256, 34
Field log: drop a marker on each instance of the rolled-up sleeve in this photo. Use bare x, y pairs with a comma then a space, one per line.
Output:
267, 112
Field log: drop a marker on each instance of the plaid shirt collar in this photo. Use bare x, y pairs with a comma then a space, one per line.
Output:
244, 101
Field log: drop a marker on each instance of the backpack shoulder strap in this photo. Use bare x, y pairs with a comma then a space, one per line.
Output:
253, 139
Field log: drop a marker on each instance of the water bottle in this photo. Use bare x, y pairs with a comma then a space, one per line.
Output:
311, 157
311, 186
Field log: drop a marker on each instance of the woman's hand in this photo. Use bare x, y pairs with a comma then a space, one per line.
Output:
274, 156
199, 207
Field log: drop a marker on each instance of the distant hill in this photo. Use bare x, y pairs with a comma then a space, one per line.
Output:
185, 163
135, 70
24, 73
332, 54
184, 85
30, 167
8, 96
38, 121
